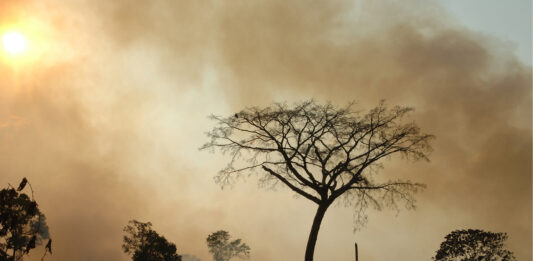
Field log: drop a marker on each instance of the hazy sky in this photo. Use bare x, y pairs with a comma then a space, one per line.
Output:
507, 20
106, 111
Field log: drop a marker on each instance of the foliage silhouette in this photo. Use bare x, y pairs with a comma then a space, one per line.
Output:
223, 249
474, 245
322, 153
144, 244
23, 226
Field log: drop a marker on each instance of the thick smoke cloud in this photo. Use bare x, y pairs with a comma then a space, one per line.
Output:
107, 128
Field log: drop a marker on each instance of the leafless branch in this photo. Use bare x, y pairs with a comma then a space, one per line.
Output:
320, 151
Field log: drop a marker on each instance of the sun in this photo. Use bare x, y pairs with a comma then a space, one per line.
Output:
14, 42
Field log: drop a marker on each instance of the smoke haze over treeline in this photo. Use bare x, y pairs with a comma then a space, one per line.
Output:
107, 121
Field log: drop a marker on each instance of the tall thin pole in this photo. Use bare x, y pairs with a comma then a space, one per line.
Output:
356, 252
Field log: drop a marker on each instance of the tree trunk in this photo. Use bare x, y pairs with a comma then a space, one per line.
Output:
311, 242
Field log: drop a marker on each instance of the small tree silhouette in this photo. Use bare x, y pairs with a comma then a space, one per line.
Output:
223, 249
474, 245
22, 225
144, 244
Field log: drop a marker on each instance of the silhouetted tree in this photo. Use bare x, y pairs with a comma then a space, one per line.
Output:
474, 245
144, 244
22, 225
322, 153
223, 249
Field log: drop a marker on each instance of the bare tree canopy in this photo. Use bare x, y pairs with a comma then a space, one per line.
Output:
321, 152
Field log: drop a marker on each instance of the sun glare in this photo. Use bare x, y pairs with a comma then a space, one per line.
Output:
14, 42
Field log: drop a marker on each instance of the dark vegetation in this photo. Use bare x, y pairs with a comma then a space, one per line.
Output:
144, 244
223, 249
474, 245
23, 225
